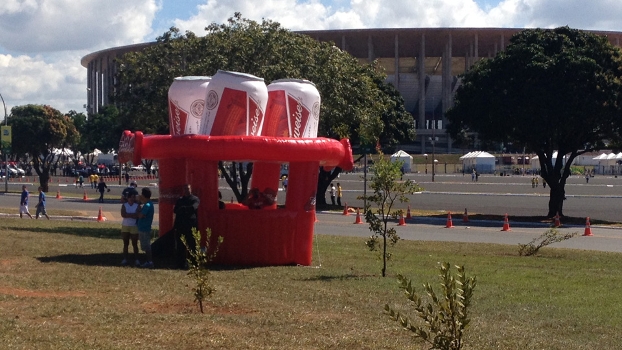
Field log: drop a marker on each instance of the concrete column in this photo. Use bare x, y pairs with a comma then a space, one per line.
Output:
396, 82
476, 53
343, 43
421, 78
502, 42
496, 49
89, 87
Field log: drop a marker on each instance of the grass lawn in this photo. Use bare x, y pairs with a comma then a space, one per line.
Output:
61, 287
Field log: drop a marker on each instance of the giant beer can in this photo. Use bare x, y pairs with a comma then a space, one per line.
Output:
186, 101
293, 109
234, 105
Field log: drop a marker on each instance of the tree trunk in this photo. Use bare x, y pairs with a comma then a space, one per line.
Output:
384, 250
556, 200
324, 180
44, 181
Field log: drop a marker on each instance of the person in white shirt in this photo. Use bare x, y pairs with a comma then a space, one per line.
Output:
129, 230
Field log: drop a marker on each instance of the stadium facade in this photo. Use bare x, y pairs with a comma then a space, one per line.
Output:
422, 63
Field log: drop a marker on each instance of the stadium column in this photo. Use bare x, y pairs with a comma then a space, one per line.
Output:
421, 77
396, 81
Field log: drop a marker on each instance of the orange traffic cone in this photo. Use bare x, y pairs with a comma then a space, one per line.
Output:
465, 216
85, 197
588, 228
100, 217
345, 209
358, 217
408, 213
557, 222
506, 224
315, 214
402, 221
58, 195
450, 223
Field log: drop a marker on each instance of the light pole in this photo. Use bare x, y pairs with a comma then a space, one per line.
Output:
433, 140
6, 154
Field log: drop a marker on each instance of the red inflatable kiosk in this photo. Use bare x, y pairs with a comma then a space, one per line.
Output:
267, 236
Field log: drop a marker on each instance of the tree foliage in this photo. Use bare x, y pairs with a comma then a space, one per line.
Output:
388, 190
38, 130
356, 102
550, 90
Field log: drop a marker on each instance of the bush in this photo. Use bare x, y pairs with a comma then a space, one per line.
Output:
549, 237
445, 318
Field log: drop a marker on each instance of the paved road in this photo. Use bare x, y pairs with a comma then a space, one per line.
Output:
599, 199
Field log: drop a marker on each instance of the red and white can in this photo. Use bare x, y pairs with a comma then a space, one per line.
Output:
186, 101
293, 109
234, 105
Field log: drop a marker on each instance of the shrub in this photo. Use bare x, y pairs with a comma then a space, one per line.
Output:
444, 318
198, 261
549, 237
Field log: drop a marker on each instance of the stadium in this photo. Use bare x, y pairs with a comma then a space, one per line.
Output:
422, 63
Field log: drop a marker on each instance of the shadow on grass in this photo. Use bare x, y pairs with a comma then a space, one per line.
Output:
328, 278
99, 232
102, 259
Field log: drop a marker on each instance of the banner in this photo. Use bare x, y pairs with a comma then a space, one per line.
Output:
5, 138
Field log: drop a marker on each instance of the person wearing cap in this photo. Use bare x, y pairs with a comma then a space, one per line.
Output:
128, 191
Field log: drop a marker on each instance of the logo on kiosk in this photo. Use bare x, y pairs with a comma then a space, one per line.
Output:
212, 99
179, 117
196, 108
299, 116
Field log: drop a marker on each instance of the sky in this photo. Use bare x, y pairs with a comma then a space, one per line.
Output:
43, 41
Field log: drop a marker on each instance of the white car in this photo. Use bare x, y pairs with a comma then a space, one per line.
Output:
138, 167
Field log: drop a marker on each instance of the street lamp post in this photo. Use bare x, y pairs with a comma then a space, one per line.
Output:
433, 140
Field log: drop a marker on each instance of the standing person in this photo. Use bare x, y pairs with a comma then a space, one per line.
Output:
587, 177
81, 180
128, 191
127, 178
185, 212
23, 203
129, 228
339, 193
332, 193
145, 219
95, 181
285, 183
473, 175
101, 187
41, 204
543, 183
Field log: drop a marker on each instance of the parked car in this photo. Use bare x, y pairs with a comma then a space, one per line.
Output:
18, 171
138, 168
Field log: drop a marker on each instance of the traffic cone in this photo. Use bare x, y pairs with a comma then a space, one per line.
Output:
450, 223
506, 224
557, 222
408, 213
402, 222
345, 210
588, 228
58, 194
85, 197
465, 216
315, 214
358, 217
100, 217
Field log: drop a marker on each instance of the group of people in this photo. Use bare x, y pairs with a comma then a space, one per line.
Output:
23, 204
335, 193
137, 212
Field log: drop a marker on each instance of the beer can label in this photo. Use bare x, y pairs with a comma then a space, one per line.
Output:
293, 109
186, 101
234, 105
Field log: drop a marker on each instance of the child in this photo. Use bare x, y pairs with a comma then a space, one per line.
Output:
145, 219
41, 204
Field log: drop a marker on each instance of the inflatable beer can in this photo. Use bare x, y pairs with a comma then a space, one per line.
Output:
293, 109
186, 101
235, 104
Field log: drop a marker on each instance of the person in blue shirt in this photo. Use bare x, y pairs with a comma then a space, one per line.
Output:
145, 219
23, 203
41, 205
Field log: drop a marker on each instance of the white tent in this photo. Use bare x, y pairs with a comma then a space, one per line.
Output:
482, 162
403, 157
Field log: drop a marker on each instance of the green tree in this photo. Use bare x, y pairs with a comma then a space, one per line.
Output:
550, 90
388, 190
355, 99
38, 130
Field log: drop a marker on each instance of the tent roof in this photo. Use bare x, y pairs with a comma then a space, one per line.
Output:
400, 154
477, 154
